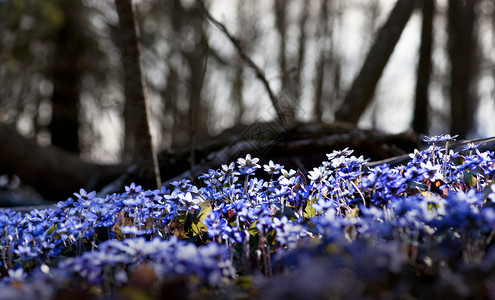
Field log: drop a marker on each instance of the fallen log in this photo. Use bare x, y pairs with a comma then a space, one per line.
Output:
54, 173
301, 146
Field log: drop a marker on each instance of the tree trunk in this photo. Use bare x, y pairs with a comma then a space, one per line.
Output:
143, 151
363, 87
296, 82
237, 90
420, 117
197, 61
66, 74
463, 59
170, 96
280, 8
320, 64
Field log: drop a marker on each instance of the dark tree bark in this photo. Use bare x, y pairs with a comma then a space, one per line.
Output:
53, 172
66, 75
237, 93
463, 58
295, 87
170, 96
420, 117
196, 56
238, 80
280, 8
299, 146
137, 107
320, 64
197, 61
363, 87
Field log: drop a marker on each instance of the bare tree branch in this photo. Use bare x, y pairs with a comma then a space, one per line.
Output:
363, 87
257, 70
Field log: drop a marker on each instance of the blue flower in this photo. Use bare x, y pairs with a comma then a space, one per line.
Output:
414, 174
432, 172
83, 195
212, 178
133, 189
374, 175
418, 156
25, 251
134, 230
322, 204
137, 201
272, 168
248, 165
470, 146
228, 171
319, 174
17, 275
291, 181
182, 185
65, 204
338, 153
191, 199
216, 227
439, 138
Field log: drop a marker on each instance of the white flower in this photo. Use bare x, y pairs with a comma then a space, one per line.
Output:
248, 162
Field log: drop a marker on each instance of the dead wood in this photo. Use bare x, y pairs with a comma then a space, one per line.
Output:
54, 173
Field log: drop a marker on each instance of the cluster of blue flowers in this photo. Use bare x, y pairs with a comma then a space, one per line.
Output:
431, 218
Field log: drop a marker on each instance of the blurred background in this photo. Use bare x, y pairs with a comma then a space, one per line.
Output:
61, 74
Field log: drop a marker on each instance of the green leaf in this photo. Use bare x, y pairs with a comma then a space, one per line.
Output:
432, 206
253, 230
459, 160
271, 237
245, 281
205, 209
309, 211
469, 178
196, 227
197, 223
52, 229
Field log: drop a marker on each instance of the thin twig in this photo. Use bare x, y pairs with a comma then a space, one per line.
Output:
359, 192
257, 70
